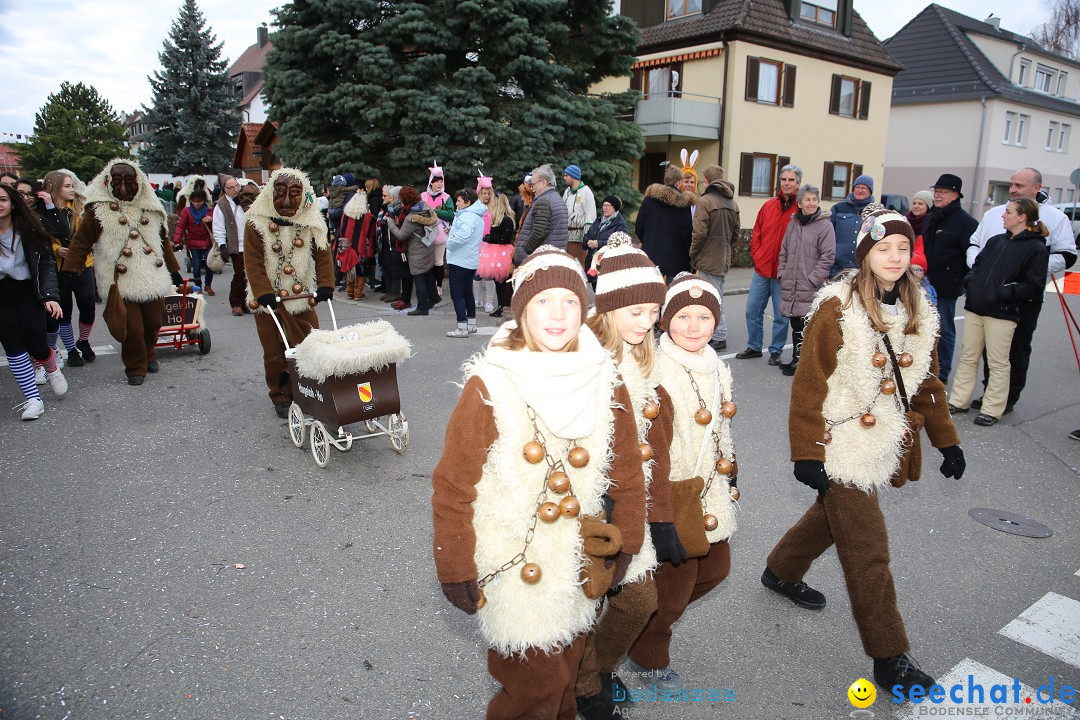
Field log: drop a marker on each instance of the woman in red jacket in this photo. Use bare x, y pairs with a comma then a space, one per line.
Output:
193, 230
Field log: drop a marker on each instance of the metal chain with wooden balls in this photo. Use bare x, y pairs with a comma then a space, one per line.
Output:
722, 466
887, 386
133, 234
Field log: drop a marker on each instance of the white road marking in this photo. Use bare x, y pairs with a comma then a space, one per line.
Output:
98, 350
1051, 626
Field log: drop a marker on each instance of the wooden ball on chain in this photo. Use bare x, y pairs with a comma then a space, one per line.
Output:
122, 220
827, 437
482, 601
703, 416
114, 206
651, 410
558, 481
728, 409
287, 269
134, 234
283, 293
121, 268
888, 386
274, 227
147, 250
734, 492
276, 247
880, 359
126, 252
159, 262
646, 452
530, 573
253, 305
533, 451
578, 456
905, 359
298, 243
724, 466
711, 522
549, 512
868, 420
570, 506
312, 302
144, 220
297, 288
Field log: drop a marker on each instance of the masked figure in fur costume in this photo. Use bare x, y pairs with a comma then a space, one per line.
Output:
867, 382
123, 224
286, 253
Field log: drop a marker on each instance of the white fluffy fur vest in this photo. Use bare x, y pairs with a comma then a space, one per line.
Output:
711, 375
302, 259
146, 277
860, 457
642, 391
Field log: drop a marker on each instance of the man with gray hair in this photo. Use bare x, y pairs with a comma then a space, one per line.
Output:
548, 221
715, 230
769, 228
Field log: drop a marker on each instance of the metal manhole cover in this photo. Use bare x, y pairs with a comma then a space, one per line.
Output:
1010, 522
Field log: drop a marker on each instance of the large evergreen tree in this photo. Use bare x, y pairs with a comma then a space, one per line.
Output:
194, 109
503, 86
76, 129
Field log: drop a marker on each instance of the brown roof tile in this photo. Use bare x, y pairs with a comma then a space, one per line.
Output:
252, 60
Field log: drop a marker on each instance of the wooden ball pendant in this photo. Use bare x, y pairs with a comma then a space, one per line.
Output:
482, 601
254, 305
530, 573
549, 512
122, 220
646, 452
298, 243
558, 481
147, 250
283, 293
578, 457
287, 269
888, 386
114, 206
274, 227
276, 247
121, 268
144, 221
880, 359
827, 437
728, 409
126, 252
159, 262
312, 302
703, 416
734, 493
650, 411
534, 452
297, 288
133, 234
570, 506
868, 420
905, 359
710, 522
724, 466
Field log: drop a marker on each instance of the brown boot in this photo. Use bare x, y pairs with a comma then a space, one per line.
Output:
350, 282
358, 289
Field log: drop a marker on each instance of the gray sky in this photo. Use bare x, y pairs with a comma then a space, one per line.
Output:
113, 45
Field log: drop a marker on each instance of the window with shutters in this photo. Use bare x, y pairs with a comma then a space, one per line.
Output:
850, 97
821, 12
770, 82
759, 173
836, 179
681, 8
658, 82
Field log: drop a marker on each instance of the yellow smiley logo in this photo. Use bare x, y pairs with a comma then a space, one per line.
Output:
862, 693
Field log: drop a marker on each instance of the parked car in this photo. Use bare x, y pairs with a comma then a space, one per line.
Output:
1072, 211
899, 203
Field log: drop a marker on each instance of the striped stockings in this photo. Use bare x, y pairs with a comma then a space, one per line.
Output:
23, 371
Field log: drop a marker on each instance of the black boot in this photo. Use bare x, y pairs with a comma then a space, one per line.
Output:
74, 359
596, 707
901, 670
83, 346
800, 593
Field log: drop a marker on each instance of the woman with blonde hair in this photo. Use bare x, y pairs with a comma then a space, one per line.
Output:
63, 187
497, 252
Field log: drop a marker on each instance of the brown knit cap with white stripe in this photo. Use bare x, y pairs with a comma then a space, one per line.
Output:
548, 267
626, 276
689, 289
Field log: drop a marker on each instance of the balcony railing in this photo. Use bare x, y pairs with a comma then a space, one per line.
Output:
680, 115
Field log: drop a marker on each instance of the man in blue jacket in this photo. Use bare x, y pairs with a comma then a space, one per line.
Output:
846, 218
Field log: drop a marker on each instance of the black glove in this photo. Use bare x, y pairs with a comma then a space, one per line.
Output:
954, 464
812, 474
465, 595
224, 250
666, 542
622, 562
268, 301
323, 294
177, 278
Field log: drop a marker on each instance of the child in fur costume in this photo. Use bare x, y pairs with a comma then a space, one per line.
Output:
542, 431
629, 293
867, 382
703, 471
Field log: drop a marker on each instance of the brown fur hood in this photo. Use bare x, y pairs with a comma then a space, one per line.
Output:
426, 216
670, 196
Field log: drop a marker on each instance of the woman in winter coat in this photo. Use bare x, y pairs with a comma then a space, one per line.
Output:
463, 257
597, 234
543, 429
56, 225
1009, 270
396, 277
409, 230
61, 187
867, 383
921, 204
806, 254
846, 218
193, 231
664, 223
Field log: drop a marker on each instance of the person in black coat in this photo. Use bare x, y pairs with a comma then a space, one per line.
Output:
1010, 270
664, 224
597, 234
945, 240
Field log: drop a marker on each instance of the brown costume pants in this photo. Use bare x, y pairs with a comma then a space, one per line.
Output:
538, 687
676, 588
297, 328
852, 519
577, 251
238, 286
143, 323
625, 617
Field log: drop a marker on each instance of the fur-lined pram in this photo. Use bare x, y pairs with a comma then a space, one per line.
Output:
343, 376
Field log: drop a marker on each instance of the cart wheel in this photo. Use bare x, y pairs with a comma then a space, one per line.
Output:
320, 444
398, 429
297, 431
370, 426
204, 341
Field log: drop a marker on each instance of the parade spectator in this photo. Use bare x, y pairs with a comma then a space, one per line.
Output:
56, 225
193, 232
546, 221
61, 187
497, 252
358, 236
8, 178
768, 235
664, 224
806, 254
340, 186
846, 217
436, 197
715, 232
918, 269
946, 234
463, 258
484, 287
1010, 270
580, 210
524, 202
408, 230
690, 177
921, 203
1026, 183
228, 229
610, 221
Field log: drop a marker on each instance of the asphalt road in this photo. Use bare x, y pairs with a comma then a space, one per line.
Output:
166, 552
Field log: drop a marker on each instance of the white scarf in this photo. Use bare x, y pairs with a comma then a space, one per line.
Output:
559, 386
704, 362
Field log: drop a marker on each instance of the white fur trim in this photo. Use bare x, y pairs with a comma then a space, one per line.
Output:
642, 391
350, 350
357, 206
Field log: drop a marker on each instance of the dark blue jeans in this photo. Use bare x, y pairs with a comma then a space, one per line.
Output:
461, 292
425, 290
198, 264
946, 308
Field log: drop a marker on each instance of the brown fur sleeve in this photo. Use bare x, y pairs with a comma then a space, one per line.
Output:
817, 362
627, 478
83, 243
324, 268
660, 436
930, 401
469, 434
255, 262
167, 252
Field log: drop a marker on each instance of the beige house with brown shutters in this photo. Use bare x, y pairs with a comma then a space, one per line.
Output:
755, 85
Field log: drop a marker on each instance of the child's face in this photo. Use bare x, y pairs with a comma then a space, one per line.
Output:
634, 323
890, 258
918, 272
554, 318
692, 327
